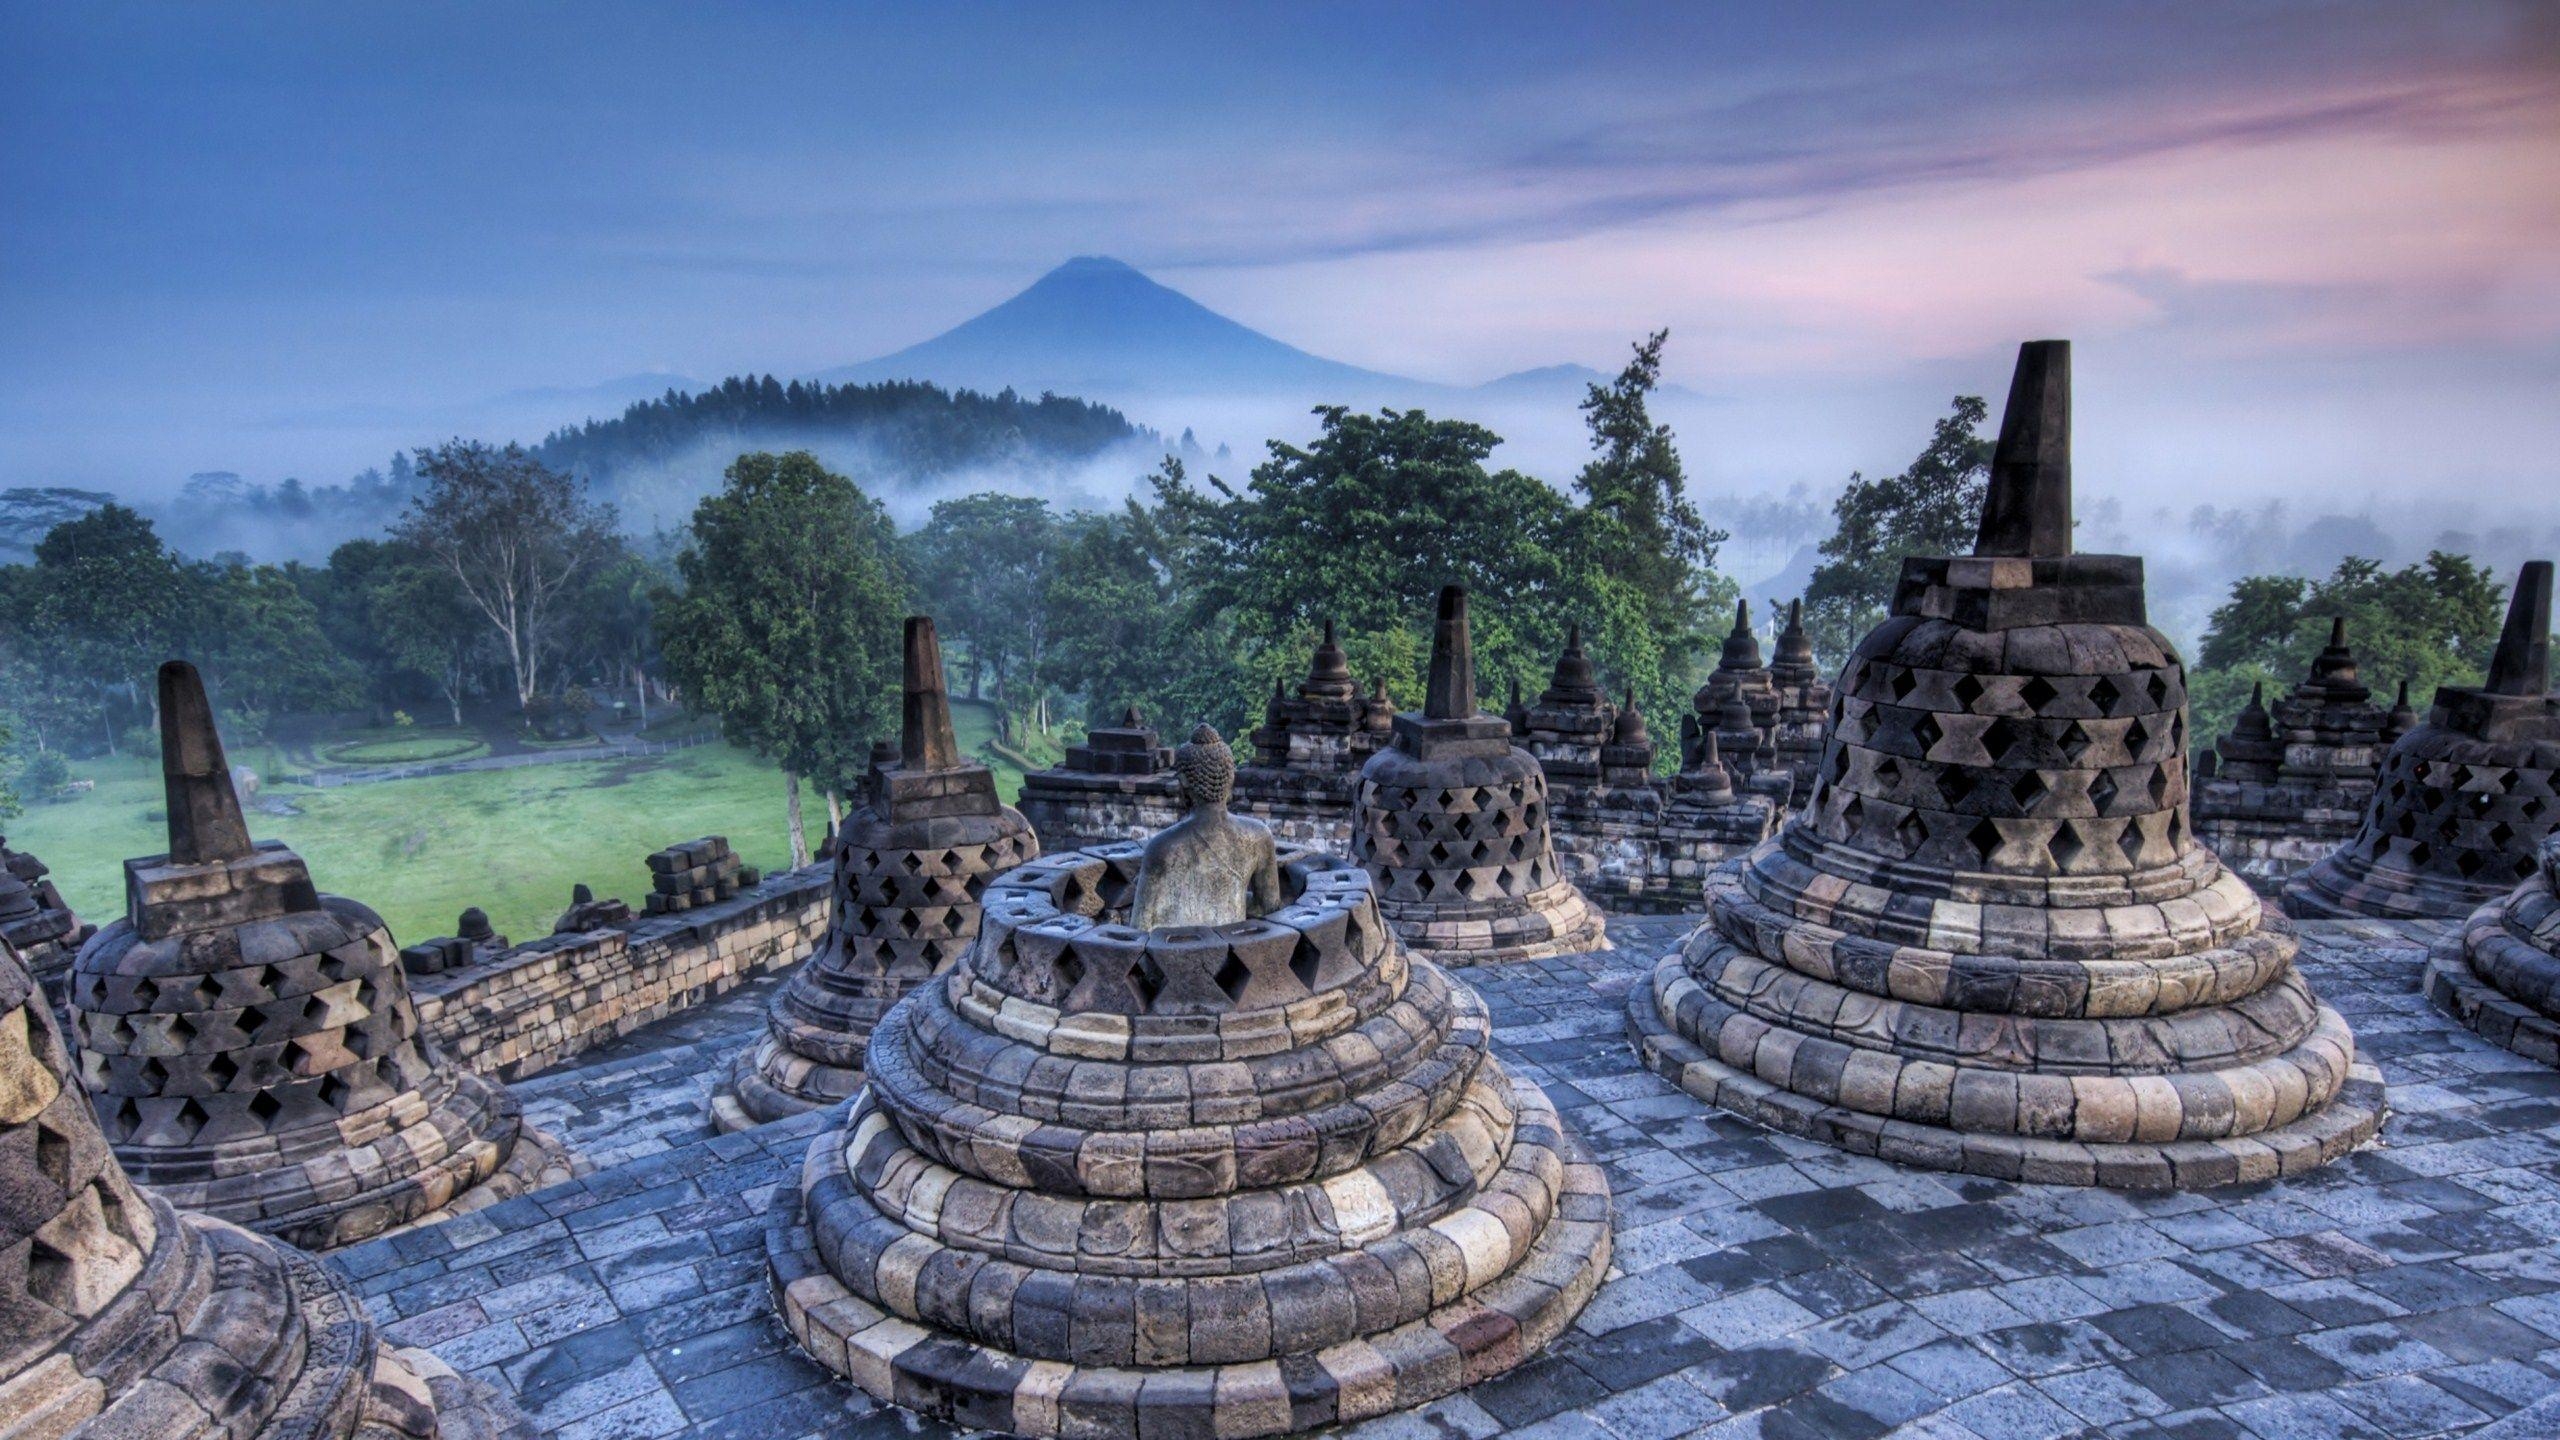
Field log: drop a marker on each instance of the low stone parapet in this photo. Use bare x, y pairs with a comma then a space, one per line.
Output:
532, 1006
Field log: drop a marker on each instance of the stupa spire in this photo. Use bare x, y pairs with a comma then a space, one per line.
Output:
1452, 695
205, 823
2522, 664
925, 739
2027, 509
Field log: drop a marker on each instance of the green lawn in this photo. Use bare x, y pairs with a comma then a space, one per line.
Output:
509, 841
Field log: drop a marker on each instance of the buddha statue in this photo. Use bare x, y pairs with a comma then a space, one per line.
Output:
1208, 868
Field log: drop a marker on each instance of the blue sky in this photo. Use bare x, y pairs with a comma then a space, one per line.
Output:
2302, 248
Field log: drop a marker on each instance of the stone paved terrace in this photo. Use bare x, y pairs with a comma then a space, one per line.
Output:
1764, 1287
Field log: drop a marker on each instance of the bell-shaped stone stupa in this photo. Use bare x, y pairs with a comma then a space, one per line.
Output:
1452, 821
911, 864
122, 1316
1248, 1173
2501, 974
1990, 942
2465, 800
250, 1043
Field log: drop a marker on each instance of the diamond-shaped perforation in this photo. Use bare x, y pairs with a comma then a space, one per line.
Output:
1902, 683
1911, 833
2104, 694
1998, 739
53, 1155
1986, 839
1306, 962
1925, 732
2074, 741
2038, 692
2130, 841
2102, 791
1967, 689
1146, 981
2065, 846
51, 1277
1233, 976
2027, 789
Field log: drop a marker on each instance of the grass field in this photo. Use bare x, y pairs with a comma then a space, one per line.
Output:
509, 841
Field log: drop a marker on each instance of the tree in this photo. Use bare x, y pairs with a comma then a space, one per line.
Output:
515, 535
2432, 623
108, 603
1363, 527
259, 641
1933, 508
1644, 554
788, 627
402, 619
981, 563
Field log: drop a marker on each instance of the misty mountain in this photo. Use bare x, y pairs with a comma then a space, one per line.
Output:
1097, 327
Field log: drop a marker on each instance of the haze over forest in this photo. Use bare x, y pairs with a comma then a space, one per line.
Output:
2304, 252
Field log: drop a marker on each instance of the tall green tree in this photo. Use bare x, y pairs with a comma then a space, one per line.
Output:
259, 641
108, 602
1643, 575
788, 625
1932, 508
1363, 527
981, 564
515, 535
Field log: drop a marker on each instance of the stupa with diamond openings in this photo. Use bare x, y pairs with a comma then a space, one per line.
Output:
2464, 801
1451, 819
250, 1043
911, 863
1991, 943
2295, 777
123, 1317
1231, 1180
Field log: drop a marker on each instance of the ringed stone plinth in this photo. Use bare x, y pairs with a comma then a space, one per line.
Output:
250, 1043
123, 1317
2500, 974
2465, 800
1451, 819
1230, 1181
911, 863
1991, 943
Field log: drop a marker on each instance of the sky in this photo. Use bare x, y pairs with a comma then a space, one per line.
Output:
2303, 249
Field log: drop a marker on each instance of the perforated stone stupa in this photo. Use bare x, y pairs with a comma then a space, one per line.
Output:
1451, 819
2500, 974
2294, 778
2463, 801
35, 919
1740, 705
250, 1042
911, 864
1804, 706
121, 1316
1231, 1180
1990, 943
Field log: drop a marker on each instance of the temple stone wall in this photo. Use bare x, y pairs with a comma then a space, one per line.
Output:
531, 1006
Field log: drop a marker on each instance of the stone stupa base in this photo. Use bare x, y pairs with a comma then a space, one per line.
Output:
1549, 1195
384, 1180
766, 1083
281, 1314
2349, 1119
1558, 920
2455, 985
2348, 887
